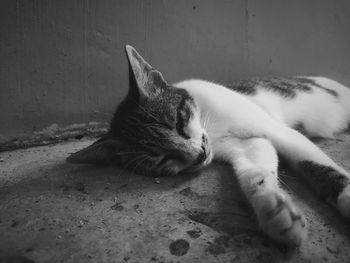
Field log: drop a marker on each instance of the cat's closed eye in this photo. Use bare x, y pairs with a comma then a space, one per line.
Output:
183, 118
180, 126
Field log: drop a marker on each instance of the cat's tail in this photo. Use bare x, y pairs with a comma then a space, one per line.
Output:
329, 179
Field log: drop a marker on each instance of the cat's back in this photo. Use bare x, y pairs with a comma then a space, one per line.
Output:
318, 105
289, 88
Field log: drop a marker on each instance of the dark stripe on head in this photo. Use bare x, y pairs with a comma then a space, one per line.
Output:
328, 182
183, 116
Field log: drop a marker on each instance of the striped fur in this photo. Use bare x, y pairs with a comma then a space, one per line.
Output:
167, 129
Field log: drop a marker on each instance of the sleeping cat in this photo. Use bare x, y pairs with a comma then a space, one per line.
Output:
164, 129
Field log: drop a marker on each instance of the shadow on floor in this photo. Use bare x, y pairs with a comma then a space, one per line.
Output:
51, 211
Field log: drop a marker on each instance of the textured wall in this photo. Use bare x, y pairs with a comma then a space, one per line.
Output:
63, 61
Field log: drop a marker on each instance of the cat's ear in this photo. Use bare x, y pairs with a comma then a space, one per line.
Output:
148, 81
103, 151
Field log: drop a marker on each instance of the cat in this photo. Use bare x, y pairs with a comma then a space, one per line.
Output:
180, 128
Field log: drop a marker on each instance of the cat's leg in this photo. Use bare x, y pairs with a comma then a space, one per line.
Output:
330, 184
255, 163
330, 180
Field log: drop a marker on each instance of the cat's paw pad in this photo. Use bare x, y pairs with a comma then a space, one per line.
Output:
282, 221
343, 202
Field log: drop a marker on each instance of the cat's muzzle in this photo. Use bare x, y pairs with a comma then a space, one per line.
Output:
205, 156
203, 159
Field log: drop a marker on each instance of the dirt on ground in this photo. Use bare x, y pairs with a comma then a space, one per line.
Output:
52, 211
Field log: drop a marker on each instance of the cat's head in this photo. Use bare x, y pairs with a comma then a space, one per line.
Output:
156, 129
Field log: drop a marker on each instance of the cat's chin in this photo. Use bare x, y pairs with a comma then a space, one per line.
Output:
197, 167
192, 170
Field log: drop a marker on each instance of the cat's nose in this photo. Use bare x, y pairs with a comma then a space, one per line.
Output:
202, 156
205, 150
204, 139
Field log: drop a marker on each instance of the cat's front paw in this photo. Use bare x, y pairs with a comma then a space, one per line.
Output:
281, 220
343, 202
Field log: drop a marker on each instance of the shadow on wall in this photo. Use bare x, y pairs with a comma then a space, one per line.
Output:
64, 62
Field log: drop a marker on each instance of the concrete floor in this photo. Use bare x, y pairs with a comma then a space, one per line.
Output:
51, 211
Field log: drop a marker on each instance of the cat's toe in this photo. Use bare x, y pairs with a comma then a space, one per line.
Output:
282, 221
343, 202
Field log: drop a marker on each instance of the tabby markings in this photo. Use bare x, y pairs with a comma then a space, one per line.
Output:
328, 182
286, 87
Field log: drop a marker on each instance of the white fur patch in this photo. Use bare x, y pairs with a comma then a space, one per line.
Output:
195, 131
246, 131
233, 115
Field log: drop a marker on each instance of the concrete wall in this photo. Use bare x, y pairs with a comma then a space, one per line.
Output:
63, 61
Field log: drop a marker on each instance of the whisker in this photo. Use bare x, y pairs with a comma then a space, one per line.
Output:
122, 153
284, 183
207, 120
288, 176
130, 162
139, 163
204, 119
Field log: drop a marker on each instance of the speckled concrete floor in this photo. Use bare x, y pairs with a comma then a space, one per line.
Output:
51, 211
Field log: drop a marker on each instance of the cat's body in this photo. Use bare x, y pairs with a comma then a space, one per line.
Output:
242, 127
269, 114
320, 111
168, 129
